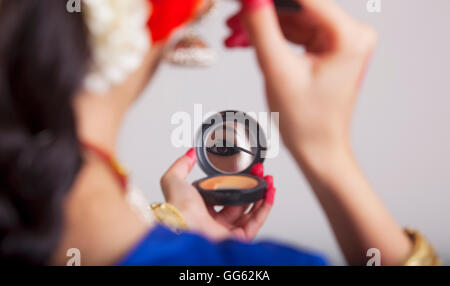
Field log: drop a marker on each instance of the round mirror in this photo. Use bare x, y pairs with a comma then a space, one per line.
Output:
228, 148
229, 143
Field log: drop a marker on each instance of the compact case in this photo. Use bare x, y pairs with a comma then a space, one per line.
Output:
228, 145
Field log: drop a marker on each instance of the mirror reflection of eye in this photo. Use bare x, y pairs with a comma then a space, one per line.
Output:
223, 150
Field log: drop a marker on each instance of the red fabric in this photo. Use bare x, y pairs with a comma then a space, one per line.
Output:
167, 15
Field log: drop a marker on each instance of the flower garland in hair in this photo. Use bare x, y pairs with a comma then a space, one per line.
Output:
120, 38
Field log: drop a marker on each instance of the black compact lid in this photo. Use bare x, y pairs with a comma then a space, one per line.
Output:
253, 129
233, 197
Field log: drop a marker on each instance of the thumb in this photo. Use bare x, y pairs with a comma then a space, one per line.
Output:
261, 23
183, 166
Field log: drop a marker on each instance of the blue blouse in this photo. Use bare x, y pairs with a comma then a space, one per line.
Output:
162, 247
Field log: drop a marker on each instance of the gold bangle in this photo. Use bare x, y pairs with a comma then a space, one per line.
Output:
422, 253
168, 215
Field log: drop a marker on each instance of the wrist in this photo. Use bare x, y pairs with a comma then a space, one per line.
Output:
324, 161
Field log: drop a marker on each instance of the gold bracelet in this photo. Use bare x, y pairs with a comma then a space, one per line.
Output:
422, 253
169, 216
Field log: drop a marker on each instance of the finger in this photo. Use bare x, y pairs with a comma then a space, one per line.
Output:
255, 206
237, 39
211, 211
267, 198
234, 22
183, 166
259, 215
231, 214
270, 196
297, 27
257, 170
261, 22
254, 224
269, 180
326, 12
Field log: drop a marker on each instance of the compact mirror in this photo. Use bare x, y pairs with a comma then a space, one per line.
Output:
229, 144
228, 148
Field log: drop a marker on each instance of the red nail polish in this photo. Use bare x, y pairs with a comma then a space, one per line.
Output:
270, 196
258, 170
229, 42
238, 39
235, 22
253, 5
192, 155
269, 180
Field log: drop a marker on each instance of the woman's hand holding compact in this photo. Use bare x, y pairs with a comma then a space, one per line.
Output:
243, 223
231, 221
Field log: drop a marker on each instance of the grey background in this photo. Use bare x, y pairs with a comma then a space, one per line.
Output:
400, 133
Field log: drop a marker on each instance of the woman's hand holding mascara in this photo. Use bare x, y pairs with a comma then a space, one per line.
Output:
315, 94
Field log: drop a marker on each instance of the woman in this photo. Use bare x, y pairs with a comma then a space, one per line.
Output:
66, 84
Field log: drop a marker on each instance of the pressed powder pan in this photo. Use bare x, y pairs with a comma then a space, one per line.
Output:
231, 190
229, 144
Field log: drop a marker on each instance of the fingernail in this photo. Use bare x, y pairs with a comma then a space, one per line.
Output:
234, 22
191, 154
253, 5
258, 170
269, 180
270, 196
238, 39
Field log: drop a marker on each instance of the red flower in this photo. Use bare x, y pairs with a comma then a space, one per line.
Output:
167, 15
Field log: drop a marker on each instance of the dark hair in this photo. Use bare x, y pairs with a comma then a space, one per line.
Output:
44, 54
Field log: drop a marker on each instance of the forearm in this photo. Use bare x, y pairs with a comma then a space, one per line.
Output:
357, 216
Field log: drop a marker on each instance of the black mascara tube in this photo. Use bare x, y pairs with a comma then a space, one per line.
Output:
287, 4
